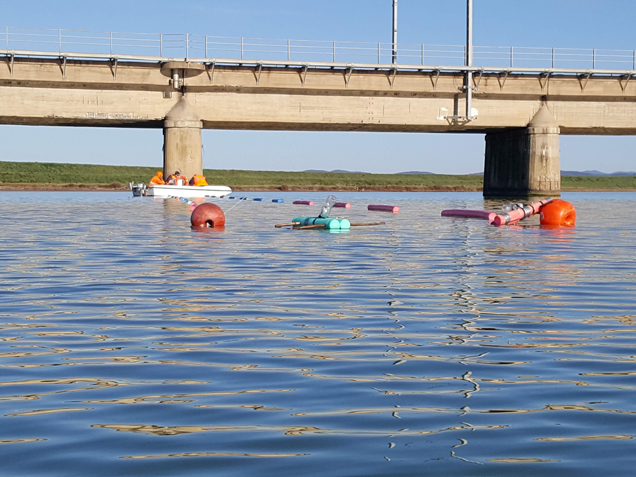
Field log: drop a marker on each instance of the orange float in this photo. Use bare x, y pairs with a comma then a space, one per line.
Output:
558, 212
207, 215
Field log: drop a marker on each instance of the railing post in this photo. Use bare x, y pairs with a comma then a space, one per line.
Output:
512, 56
422, 53
288, 50
334, 51
186, 38
552, 57
379, 53
111, 42
206, 45
594, 58
241, 47
161, 44
6, 34
633, 61
59, 40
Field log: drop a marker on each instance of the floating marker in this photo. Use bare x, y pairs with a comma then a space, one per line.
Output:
521, 212
384, 208
279, 201
344, 205
470, 214
303, 202
558, 213
192, 204
260, 199
319, 222
207, 215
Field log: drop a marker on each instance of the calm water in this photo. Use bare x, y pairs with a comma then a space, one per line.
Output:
132, 345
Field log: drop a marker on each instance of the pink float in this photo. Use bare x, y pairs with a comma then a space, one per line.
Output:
384, 208
344, 205
520, 213
470, 214
303, 202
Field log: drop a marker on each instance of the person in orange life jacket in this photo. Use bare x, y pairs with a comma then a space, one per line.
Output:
173, 179
157, 179
198, 180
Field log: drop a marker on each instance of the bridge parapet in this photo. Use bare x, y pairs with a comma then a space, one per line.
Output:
188, 47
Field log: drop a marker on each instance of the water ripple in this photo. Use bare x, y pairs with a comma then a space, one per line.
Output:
131, 344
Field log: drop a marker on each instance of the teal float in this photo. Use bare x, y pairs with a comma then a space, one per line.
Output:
328, 223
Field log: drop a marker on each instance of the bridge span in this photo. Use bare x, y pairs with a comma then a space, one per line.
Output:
521, 110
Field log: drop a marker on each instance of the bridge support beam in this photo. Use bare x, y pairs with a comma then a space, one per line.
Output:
524, 162
182, 141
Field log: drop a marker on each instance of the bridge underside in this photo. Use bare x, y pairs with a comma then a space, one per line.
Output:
142, 95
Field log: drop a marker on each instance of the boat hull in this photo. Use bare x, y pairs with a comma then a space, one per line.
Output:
187, 191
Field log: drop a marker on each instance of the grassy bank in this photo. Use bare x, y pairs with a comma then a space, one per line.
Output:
36, 175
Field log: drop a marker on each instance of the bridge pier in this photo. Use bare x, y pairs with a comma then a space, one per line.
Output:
524, 162
182, 141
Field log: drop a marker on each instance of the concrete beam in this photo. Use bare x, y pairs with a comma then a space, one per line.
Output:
99, 93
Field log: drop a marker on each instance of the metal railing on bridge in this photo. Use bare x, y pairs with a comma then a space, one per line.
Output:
200, 47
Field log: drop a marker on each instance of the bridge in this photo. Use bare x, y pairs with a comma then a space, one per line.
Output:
522, 99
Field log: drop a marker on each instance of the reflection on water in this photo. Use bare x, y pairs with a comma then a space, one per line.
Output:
128, 339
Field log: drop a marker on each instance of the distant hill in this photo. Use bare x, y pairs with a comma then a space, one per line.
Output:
336, 171
414, 172
597, 173
563, 173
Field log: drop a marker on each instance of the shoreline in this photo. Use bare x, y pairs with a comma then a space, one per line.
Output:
37, 187
32, 187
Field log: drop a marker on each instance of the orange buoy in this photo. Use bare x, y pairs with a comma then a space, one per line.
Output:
558, 212
207, 215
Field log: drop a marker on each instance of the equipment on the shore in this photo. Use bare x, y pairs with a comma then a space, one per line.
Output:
558, 213
384, 208
207, 215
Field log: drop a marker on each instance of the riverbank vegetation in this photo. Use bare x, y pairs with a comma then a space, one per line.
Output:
54, 176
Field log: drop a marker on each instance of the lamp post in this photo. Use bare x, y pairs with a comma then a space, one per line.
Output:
394, 44
469, 58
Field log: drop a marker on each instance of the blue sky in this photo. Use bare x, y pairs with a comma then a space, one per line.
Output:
549, 23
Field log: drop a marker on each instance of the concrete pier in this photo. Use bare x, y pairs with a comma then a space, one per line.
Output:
524, 162
182, 141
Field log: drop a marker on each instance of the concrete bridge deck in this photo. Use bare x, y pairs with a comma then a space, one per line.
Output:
136, 94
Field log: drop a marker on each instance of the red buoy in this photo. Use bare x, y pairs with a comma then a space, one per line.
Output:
558, 212
207, 215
